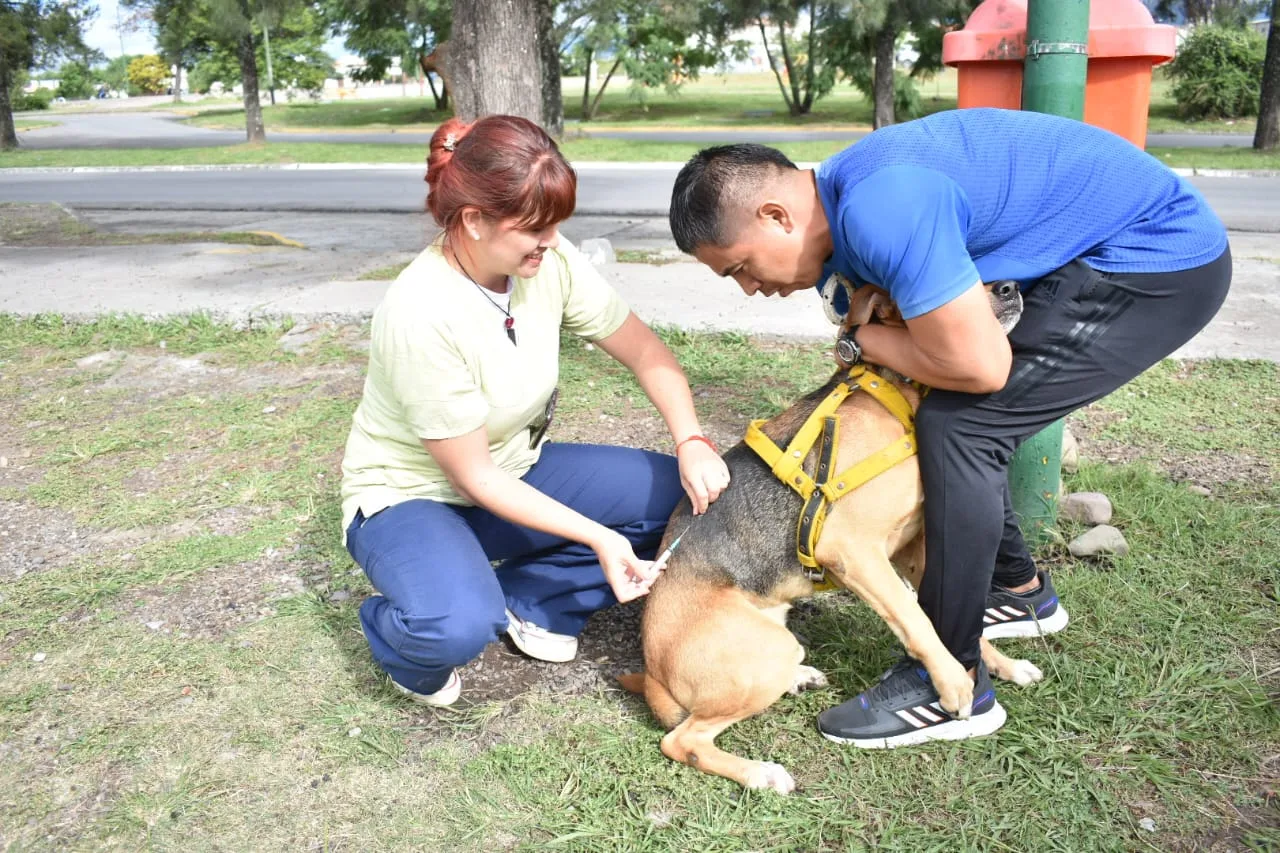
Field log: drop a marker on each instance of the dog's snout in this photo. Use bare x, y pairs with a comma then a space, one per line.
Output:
1005, 289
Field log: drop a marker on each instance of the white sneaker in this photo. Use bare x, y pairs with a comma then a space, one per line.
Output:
538, 642
443, 697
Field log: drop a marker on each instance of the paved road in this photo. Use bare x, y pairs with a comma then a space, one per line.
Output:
1245, 204
164, 130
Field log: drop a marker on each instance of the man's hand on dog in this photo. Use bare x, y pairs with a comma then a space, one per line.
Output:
629, 576
702, 473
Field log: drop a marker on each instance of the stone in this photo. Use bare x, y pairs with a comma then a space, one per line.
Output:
100, 358
299, 337
340, 595
1070, 452
1086, 507
598, 250
1202, 491
1103, 539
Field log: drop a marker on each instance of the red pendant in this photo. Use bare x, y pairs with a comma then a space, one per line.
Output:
510, 325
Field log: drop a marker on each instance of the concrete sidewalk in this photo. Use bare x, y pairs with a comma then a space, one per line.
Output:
244, 282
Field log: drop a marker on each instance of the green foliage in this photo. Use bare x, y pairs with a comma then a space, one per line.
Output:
75, 81
37, 100
1219, 73
36, 34
379, 31
297, 60
115, 74
149, 74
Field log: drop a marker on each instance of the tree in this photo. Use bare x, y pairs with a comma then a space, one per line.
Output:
1218, 73
380, 31
233, 25
495, 59
75, 81
1226, 13
36, 33
798, 56
659, 43
863, 42
1267, 135
148, 74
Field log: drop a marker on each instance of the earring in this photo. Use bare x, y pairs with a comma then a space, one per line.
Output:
475, 236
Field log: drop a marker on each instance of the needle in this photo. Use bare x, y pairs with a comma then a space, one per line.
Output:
661, 562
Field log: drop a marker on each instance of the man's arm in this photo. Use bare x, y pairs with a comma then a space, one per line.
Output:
958, 346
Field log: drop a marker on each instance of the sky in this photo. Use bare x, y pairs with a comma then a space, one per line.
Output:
102, 35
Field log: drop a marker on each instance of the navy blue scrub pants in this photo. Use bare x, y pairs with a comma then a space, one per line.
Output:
439, 599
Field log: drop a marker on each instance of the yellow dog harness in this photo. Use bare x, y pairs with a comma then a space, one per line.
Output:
821, 490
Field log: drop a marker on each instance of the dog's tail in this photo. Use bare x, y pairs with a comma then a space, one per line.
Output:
664, 706
632, 682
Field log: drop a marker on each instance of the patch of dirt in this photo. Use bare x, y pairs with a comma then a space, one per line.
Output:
1204, 469
217, 602
34, 539
640, 426
38, 538
163, 375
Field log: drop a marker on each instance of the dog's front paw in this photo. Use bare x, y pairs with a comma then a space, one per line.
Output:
955, 692
767, 775
807, 678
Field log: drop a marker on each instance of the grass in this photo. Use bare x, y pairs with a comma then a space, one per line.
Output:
387, 273
33, 124
577, 150
51, 225
203, 502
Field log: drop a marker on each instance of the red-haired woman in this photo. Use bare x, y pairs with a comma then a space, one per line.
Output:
445, 471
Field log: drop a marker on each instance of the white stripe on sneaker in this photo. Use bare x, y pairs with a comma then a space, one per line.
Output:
927, 712
906, 716
994, 614
1013, 611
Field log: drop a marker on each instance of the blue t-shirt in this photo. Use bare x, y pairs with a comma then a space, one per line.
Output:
927, 208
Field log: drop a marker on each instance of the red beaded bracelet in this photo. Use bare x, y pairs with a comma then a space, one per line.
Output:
708, 442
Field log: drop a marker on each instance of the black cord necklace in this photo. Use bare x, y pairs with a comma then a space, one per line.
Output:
510, 322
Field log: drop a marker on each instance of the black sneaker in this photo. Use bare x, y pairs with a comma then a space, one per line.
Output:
1024, 614
903, 710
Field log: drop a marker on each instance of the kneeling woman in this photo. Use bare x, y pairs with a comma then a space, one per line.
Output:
445, 470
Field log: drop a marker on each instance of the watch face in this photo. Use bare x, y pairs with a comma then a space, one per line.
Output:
848, 350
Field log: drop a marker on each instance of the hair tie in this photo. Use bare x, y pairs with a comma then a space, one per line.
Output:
450, 140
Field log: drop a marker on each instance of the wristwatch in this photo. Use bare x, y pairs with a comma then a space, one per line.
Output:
847, 349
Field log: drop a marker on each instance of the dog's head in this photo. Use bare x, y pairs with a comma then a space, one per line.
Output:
872, 304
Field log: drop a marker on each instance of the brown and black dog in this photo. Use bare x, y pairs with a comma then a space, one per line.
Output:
716, 646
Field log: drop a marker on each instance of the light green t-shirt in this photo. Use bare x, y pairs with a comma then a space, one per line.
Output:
441, 365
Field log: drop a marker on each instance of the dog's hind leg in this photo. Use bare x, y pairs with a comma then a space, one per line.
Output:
693, 743
1018, 670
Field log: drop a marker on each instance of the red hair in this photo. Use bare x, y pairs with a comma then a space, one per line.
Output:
504, 166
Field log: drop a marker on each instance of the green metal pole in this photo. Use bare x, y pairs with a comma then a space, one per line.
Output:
1053, 81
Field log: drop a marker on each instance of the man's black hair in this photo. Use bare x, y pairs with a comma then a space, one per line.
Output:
711, 184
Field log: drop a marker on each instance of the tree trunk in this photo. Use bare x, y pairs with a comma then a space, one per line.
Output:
552, 95
773, 65
8, 133
796, 107
177, 82
586, 84
495, 59
1267, 135
882, 85
595, 104
253, 129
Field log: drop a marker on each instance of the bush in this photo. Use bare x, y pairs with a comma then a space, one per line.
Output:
37, 100
1218, 73
75, 82
149, 74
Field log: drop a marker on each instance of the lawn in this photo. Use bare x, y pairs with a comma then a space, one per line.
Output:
181, 664
714, 101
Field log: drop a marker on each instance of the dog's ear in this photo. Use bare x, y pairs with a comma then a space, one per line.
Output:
866, 302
